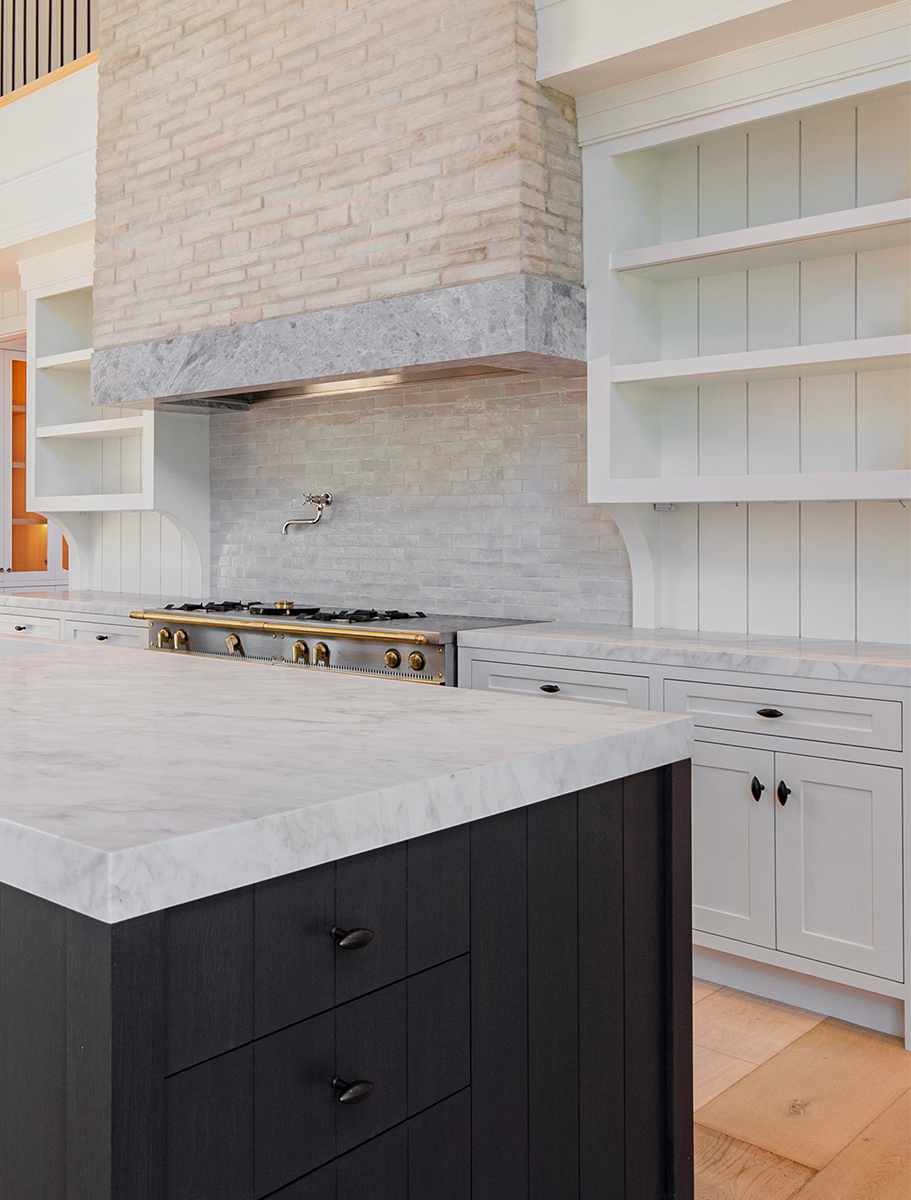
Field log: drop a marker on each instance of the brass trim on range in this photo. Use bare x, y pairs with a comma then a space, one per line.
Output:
387, 634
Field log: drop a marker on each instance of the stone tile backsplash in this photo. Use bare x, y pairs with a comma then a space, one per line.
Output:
460, 498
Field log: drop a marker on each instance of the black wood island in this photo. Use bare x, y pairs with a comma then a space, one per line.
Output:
498, 1009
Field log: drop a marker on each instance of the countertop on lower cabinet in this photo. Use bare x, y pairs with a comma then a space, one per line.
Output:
802, 658
297, 935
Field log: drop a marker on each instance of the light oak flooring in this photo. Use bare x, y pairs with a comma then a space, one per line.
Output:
789, 1103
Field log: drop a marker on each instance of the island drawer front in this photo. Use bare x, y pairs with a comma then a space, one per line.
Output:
847, 720
106, 633
566, 683
20, 625
412, 896
426, 1157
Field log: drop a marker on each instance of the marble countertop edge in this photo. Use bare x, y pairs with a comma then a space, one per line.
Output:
113, 886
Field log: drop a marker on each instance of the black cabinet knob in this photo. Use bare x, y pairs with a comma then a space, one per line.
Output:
769, 712
101, 637
783, 792
352, 1093
20, 628
756, 788
549, 687
352, 939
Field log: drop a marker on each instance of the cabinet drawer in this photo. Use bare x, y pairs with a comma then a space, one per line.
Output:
848, 720
20, 625
410, 1040
134, 635
599, 687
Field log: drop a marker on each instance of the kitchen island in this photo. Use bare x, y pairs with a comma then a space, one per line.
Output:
298, 935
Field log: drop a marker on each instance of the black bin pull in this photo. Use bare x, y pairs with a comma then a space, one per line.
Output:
756, 788
769, 712
783, 792
549, 687
352, 939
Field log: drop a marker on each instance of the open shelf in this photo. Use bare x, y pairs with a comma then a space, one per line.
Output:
826, 358
854, 230
73, 360
126, 427
747, 489
113, 502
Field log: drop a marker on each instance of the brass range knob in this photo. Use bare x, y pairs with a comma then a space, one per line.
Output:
321, 654
235, 646
393, 658
300, 652
416, 661
181, 640
164, 635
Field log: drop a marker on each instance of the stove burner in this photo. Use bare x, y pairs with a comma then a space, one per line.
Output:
357, 616
256, 608
213, 606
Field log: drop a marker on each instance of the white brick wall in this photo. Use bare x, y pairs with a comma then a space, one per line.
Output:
462, 498
264, 157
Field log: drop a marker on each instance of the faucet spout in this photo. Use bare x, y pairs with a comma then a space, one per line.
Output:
321, 502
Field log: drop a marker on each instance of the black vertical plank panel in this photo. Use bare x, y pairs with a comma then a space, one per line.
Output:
439, 1034
439, 1151
370, 1043
678, 804
370, 894
499, 1017
645, 959
210, 1129
295, 1103
294, 949
32, 1047
210, 977
378, 1170
553, 1000
138, 1002
438, 897
318, 1186
88, 1058
602, 1153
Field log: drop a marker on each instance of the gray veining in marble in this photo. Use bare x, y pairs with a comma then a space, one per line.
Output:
524, 323
133, 782
803, 658
100, 604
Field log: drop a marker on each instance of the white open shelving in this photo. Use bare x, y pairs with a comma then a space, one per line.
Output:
750, 331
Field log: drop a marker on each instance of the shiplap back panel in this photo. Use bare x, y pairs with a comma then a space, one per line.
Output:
817, 570
137, 552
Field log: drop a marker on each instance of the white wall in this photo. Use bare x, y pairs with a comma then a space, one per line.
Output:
588, 45
47, 165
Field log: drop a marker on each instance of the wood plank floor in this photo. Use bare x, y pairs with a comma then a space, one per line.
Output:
792, 1104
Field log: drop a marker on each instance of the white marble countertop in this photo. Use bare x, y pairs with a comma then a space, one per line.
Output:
804, 658
133, 782
107, 604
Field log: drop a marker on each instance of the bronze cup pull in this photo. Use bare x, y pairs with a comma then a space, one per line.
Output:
352, 939
352, 1093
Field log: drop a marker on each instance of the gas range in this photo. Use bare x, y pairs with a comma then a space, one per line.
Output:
388, 643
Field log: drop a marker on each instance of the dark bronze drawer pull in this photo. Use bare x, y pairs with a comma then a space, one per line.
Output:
756, 788
549, 687
783, 792
769, 712
352, 1093
101, 637
352, 939
20, 628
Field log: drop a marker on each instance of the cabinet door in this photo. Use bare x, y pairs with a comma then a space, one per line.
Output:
839, 856
733, 843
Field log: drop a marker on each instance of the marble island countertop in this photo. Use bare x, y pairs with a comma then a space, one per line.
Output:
133, 782
100, 604
805, 658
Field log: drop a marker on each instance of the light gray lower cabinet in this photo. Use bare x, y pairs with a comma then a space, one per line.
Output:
799, 854
565, 683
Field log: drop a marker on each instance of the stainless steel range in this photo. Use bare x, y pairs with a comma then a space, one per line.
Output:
388, 643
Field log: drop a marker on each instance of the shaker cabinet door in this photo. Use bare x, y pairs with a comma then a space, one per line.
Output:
734, 843
839, 853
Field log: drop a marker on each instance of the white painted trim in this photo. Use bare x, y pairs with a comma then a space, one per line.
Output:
61, 215
10, 326
72, 266
845, 58
751, 489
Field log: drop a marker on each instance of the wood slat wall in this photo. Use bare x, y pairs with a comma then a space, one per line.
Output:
39, 36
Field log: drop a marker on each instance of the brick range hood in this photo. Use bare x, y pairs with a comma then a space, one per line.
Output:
518, 325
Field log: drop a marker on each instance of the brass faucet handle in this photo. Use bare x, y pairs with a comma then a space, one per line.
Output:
164, 635
181, 640
233, 642
300, 652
